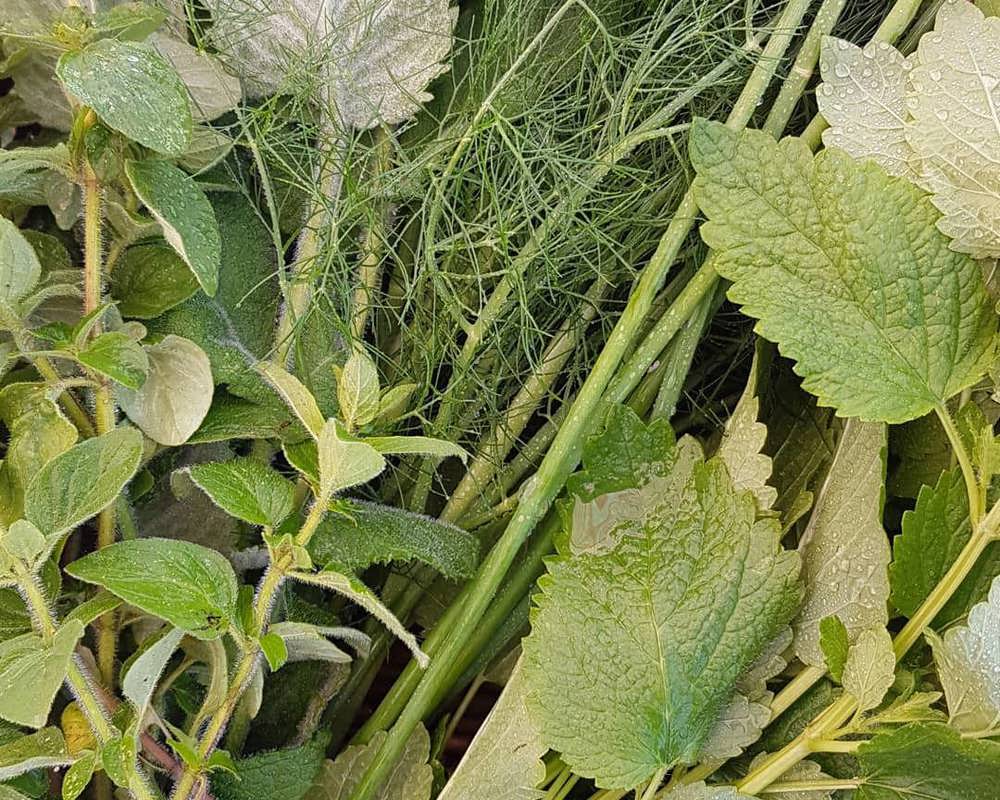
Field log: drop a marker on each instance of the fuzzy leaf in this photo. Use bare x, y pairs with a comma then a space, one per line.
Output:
78, 776
841, 266
150, 279
46, 748
701, 791
344, 462
118, 356
417, 445
285, 774
410, 779
296, 395
19, 265
186, 217
927, 762
31, 672
82, 481
870, 668
687, 599
358, 390
190, 586
212, 91
143, 674
247, 490
955, 130
133, 90
504, 760
176, 395
968, 662
363, 534
863, 97
845, 550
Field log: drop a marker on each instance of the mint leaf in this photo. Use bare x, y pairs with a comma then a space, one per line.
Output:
46, 748
190, 586
687, 599
31, 672
186, 217
742, 447
118, 356
834, 642
82, 481
246, 489
842, 267
133, 90
285, 774
150, 279
845, 550
870, 668
362, 534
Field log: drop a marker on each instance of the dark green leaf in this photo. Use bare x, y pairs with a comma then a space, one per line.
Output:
833, 641
235, 418
150, 279
285, 774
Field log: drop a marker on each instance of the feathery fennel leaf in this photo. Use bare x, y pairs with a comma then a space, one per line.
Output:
842, 267
688, 597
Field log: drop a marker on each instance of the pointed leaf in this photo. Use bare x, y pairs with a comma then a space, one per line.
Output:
143, 674
246, 489
31, 672
296, 395
835, 644
78, 775
358, 390
46, 748
344, 462
418, 445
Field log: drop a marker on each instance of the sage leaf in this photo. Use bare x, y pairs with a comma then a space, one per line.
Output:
417, 445
968, 663
144, 672
246, 489
504, 760
133, 90
82, 481
906, 322
39, 750
186, 217
870, 668
19, 265
344, 462
177, 392
190, 586
31, 672
150, 279
118, 356
361, 534
932, 757
697, 580
354, 590
411, 778
845, 550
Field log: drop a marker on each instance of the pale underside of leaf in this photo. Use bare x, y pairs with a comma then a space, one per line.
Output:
870, 668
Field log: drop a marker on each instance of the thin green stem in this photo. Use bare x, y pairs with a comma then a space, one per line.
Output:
977, 499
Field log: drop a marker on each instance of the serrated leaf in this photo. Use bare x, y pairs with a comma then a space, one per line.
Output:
835, 644
410, 779
82, 481
358, 390
387, 51
31, 672
354, 590
863, 97
845, 550
929, 762
968, 663
19, 265
246, 489
46, 748
118, 356
841, 266
186, 217
212, 91
133, 90
285, 774
504, 760
298, 398
870, 668
177, 392
344, 462
190, 586
954, 130
933, 534
689, 597
701, 791
144, 672
363, 534
739, 725
150, 279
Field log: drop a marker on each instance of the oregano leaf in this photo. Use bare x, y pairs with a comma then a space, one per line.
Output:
31, 672
246, 489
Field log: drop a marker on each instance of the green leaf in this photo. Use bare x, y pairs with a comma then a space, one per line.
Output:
46, 748
27, 174
133, 90
176, 394
190, 586
144, 672
235, 418
845, 550
358, 390
186, 217
296, 395
31, 672
504, 759
968, 663
410, 779
701, 791
417, 445
19, 265
933, 534
840, 265
274, 649
870, 668
688, 598
304, 642
354, 590
23, 541
246, 489
78, 776
742, 447
150, 279
362, 534
344, 462
833, 641
213, 92
285, 774
118, 356
927, 762
82, 481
